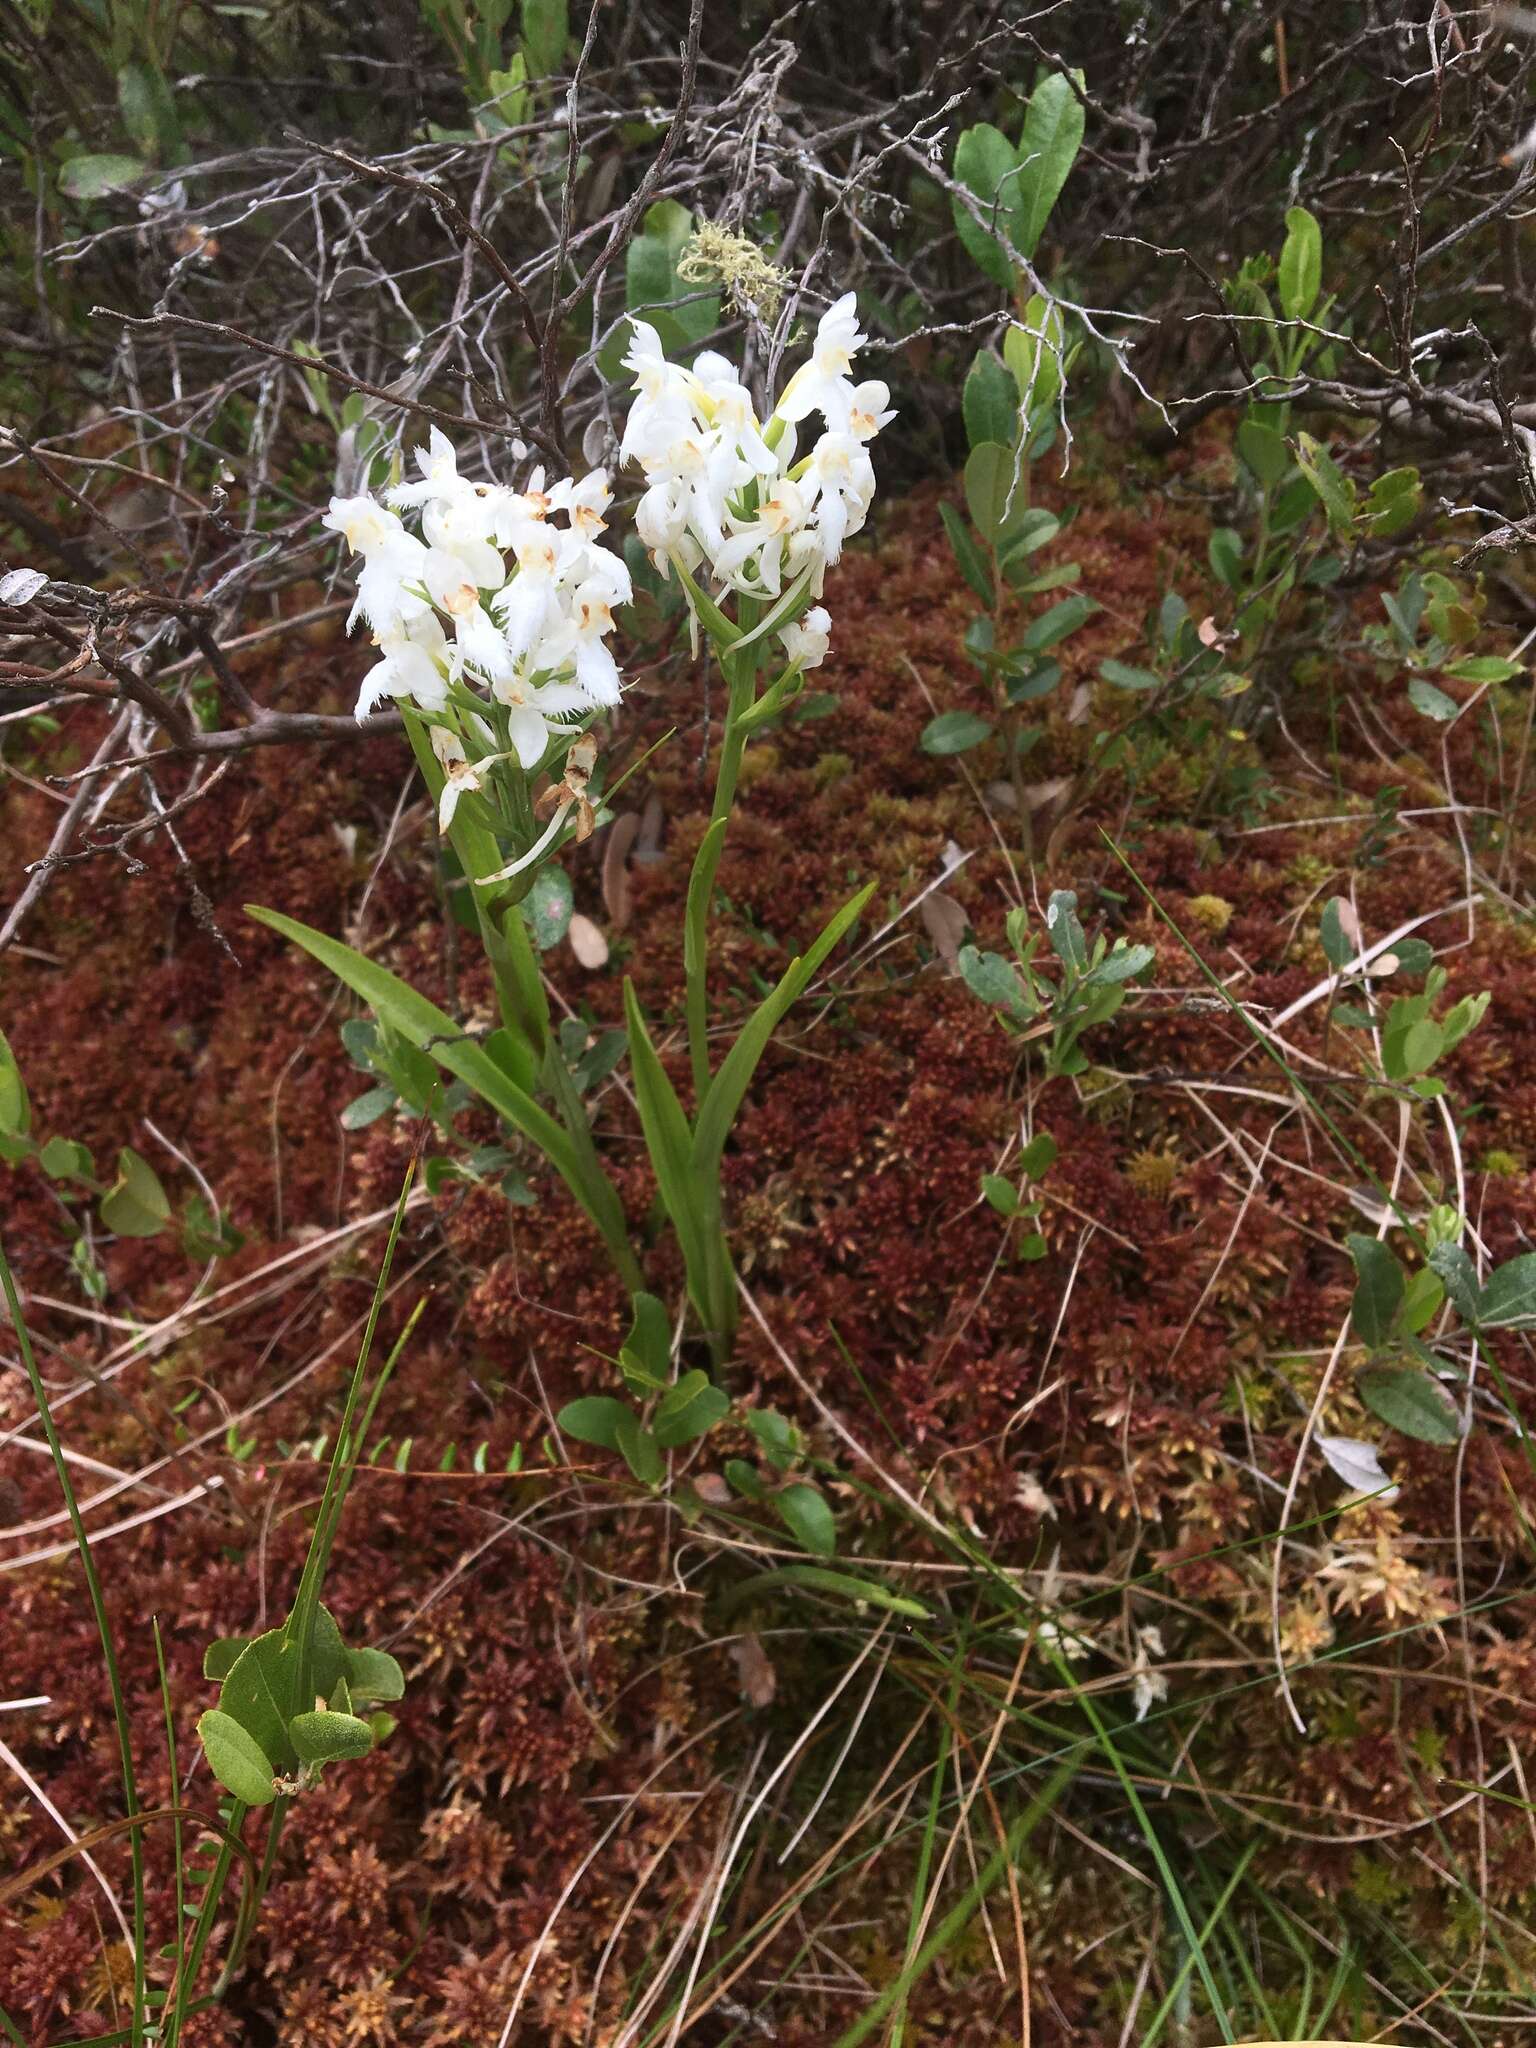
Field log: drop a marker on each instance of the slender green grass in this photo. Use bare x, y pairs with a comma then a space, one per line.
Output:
188, 1954
103, 1630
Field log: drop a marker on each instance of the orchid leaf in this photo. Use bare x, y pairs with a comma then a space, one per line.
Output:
424, 1025
718, 1111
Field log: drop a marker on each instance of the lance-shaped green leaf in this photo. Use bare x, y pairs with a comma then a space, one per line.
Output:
92, 177
546, 28
973, 563
987, 165
396, 1003
953, 732
1034, 530
670, 1145
817, 1579
1301, 264
1263, 450
15, 1108
808, 1517
649, 1341
1332, 487
1058, 622
1410, 1402
1459, 1276
718, 1111
995, 493
1064, 930
989, 402
1033, 349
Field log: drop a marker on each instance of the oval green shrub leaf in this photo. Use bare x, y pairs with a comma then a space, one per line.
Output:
954, 732
236, 1759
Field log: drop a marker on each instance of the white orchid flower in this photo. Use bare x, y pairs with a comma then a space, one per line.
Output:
481, 645
517, 515
806, 643
535, 710
439, 466
763, 541
459, 775
602, 570
393, 562
729, 410
806, 550
840, 481
529, 606
584, 503
656, 378
454, 577
413, 660
445, 607
869, 409
580, 643
822, 384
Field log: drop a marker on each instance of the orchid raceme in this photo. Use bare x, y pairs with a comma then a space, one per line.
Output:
728, 491
507, 593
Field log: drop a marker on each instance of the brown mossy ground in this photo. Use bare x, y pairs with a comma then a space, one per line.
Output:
574, 1719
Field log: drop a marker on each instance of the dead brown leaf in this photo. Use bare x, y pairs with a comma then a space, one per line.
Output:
616, 893
759, 1680
944, 920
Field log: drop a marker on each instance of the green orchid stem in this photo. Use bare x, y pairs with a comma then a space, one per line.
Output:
715, 1288
103, 1629
525, 1012
741, 679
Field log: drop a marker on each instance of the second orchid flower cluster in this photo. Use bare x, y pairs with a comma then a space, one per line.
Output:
492, 616
731, 493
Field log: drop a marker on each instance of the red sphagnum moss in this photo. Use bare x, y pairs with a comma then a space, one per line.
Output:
557, 1638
